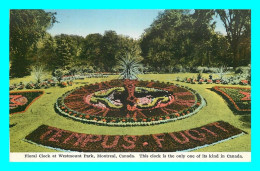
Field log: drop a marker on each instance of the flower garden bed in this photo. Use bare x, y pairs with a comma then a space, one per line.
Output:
239, 98
186, 140
42, 85
20, 101
215, 81
129, 103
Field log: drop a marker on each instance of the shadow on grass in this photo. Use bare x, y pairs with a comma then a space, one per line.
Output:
12, 125
246, 119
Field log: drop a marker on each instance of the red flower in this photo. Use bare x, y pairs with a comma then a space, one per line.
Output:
177, 114
145, 143
244, 81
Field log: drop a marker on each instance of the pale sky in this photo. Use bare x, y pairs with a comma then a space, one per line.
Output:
126, 22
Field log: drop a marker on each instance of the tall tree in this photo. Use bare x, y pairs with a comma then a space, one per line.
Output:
238, 26
103, 52
63, 52
43, 52
26, 28
168, 40
186, 38
47, 52
202, 34
128, 45
109, 48
91, 50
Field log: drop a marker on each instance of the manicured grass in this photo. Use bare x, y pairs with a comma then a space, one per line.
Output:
42, 112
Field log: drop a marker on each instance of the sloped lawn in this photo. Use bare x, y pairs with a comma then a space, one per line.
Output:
42, 112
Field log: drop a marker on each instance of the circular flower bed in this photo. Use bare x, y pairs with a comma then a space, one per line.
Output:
129, 103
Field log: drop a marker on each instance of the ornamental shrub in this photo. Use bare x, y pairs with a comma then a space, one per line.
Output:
58, 73
30, 85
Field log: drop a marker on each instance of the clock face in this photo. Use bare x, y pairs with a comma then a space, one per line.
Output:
128, 101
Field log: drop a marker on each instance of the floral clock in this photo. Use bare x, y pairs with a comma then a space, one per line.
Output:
129, 103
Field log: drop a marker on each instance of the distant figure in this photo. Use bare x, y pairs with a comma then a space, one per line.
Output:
210, 77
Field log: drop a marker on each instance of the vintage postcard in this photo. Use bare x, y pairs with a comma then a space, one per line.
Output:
130, 85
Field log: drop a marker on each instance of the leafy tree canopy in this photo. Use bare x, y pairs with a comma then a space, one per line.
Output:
26, 28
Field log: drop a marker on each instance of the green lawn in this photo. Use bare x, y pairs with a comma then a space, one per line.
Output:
42, 112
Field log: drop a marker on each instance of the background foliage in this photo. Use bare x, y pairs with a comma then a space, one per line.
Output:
177, 40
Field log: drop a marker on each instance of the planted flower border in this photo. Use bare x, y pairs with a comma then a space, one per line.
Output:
185, 140
32, 96
62, 109
215, 81
229, 99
